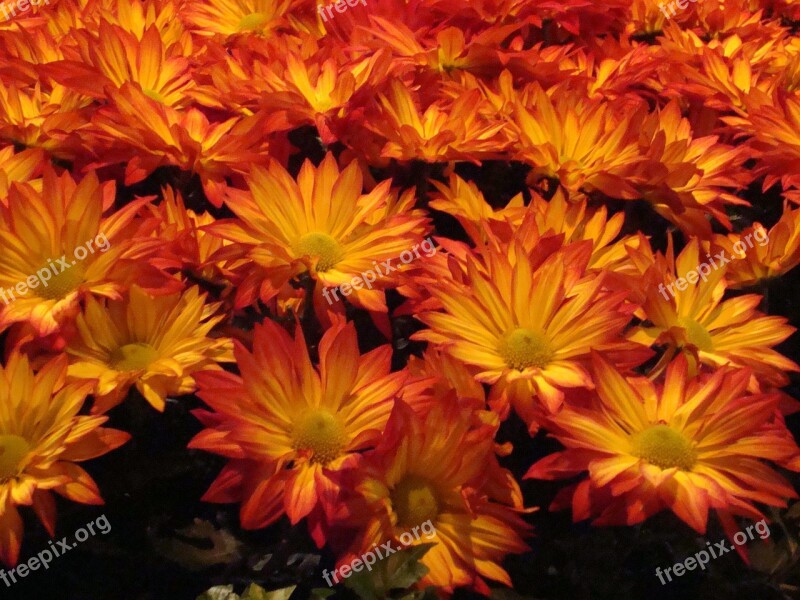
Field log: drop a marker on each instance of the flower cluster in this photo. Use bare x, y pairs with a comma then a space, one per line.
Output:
243, 157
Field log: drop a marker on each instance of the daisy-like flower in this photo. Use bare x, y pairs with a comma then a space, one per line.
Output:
155, 343
41, 228
114, 56
429, 471
289, 427
689, 445
231, 17
528, 321
460, 131
321, 224
696, 320
586, 145
686, 177
146, 134
557, 215
41, 438
44, 118
762, 255
190, 247
314, 92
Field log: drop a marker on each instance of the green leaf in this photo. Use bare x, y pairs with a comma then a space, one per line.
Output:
321, 593
399, 571
255, 592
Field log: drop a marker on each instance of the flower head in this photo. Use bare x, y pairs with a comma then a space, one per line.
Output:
431, 469
688, 445
42, 436
289, 427
153, 342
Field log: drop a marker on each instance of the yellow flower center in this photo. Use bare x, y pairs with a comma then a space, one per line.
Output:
133, 357
321, 433
697, 334
252, 21
154, 95
61, 284
664, 447
321, 246
524, 348
415, 501
13, 449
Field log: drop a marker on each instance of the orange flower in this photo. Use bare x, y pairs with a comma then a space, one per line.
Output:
686, 178
322, 224
155, 343
460, 131
431, 469
190, 246
113, 56
762, 255
41, 438
48, 227
43, 118
696, 320
586, 145
318, 92
232, 17
687, 445
289, 427
148, 134
528, 322
557, 215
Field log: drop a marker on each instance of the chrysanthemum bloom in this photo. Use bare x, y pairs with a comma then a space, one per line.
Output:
44, 118
41, 438
687, 177
56, 226
687, 445
231, 17
431, 469
189, 247
646, 18
760, 254
775, 142
725, 77
146, 134
442, 53
153, 342
697, 320
289, 427
528, 321
111, 56
461, 130
317, 92
324, 225
586, 145
575, 220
